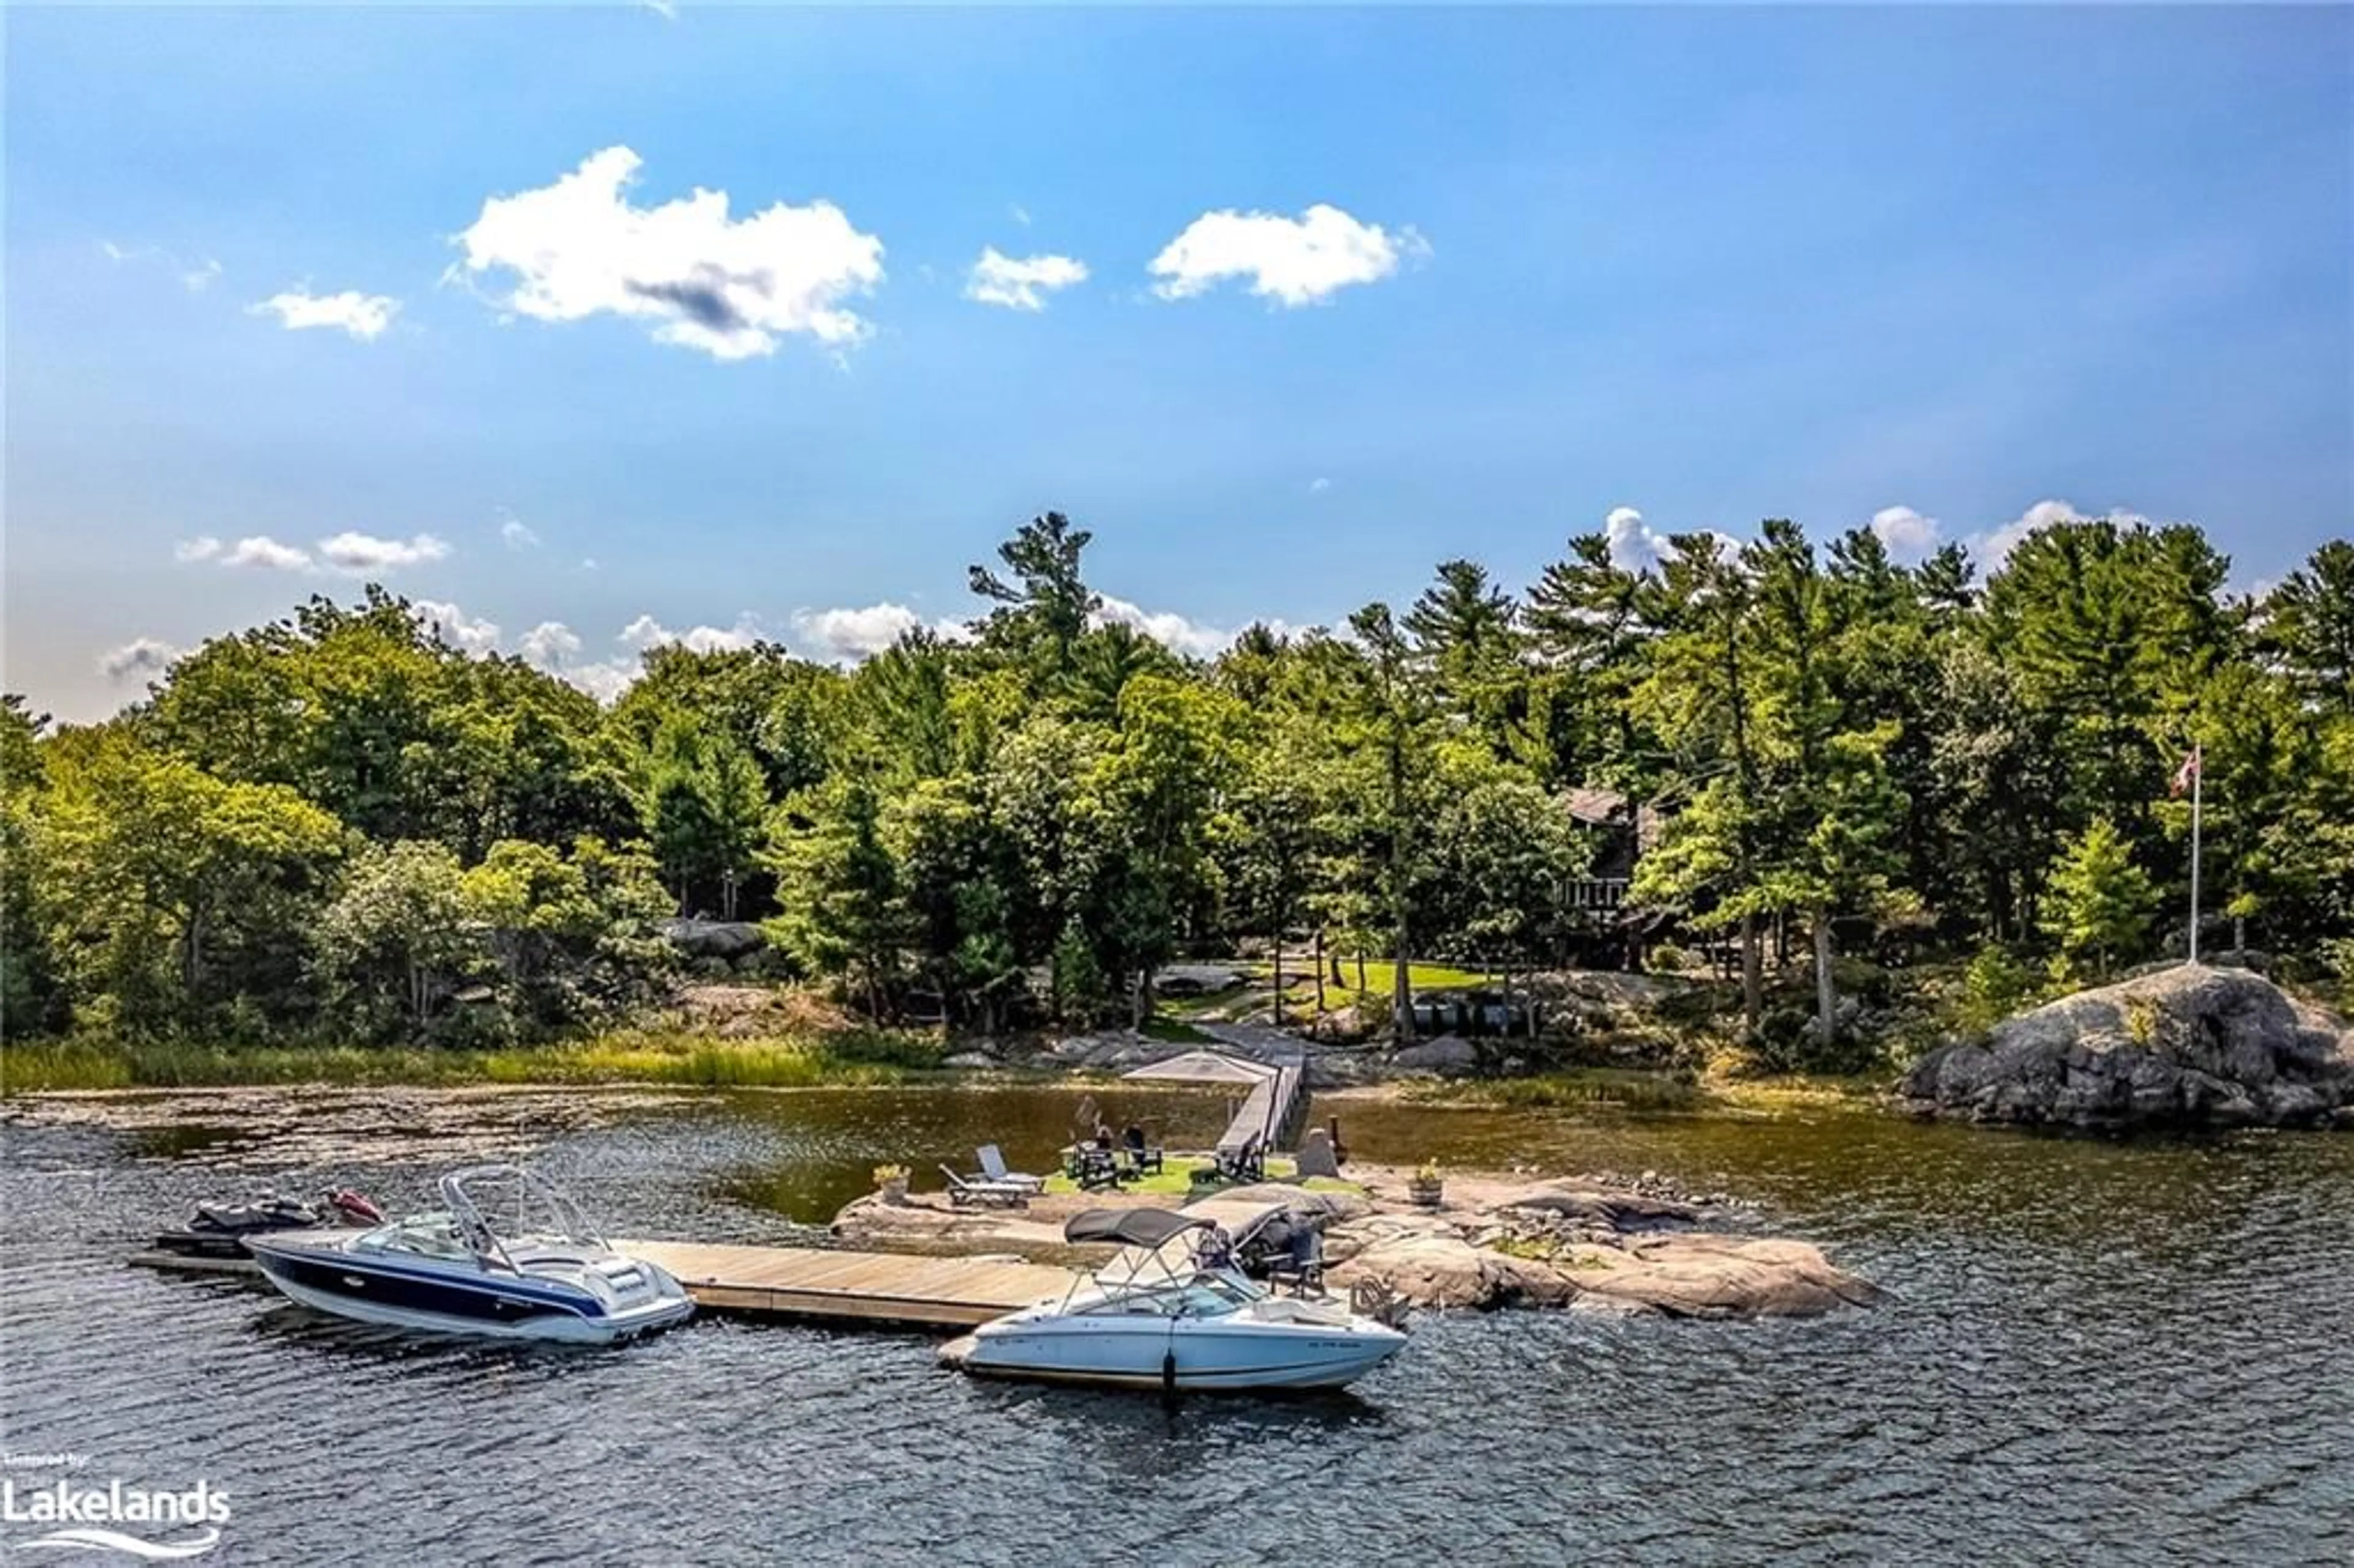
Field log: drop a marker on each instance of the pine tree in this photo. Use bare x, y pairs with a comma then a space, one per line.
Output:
2101, 902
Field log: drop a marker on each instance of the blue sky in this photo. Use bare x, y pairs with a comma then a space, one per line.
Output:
1703, 265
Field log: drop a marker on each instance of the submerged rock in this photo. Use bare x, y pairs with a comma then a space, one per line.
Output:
2184, 1046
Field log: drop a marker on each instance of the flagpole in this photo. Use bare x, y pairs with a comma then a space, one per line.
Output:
2198, 781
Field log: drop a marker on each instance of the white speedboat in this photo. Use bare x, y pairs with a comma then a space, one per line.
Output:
1165, 1317
507, 1254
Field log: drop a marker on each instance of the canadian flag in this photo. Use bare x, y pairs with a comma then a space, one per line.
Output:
2187, 774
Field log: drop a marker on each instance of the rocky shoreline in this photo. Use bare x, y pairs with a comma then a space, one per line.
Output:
1586, 1243
2189, 1047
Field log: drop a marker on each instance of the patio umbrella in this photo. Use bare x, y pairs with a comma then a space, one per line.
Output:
1204, 1067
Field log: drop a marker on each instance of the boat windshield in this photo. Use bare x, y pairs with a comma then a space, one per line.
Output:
1205, 1295
431, 1234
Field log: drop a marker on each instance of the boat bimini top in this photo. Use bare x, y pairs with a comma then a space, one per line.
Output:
1151, 1228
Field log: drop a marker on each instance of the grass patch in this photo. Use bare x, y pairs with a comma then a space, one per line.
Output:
1796, 1091
1380, 976
852, 1058
1175, 1031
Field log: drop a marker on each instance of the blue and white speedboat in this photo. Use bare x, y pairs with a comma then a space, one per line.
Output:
507, 1254
1164, 1317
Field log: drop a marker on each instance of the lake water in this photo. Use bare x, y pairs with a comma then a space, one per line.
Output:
2091, 1351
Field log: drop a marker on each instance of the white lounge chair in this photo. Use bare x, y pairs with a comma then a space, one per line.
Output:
992, 1166
965, 1190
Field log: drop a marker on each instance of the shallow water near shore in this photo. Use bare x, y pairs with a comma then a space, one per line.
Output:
2091, 1351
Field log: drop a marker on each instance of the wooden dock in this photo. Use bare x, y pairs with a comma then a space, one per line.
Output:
1271, 1114
818, 1283
863, 1286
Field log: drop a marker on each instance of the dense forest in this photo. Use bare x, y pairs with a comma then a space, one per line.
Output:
341, 826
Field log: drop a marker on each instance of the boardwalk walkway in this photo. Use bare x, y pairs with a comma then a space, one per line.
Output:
1275, 1106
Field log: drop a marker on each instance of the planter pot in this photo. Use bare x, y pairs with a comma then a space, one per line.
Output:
895, 1192
1424, 1195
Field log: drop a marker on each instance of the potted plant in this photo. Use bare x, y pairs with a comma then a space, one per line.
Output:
891, 1181
1424, 1186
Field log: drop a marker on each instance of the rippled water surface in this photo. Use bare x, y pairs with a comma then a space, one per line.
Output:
2091, 1352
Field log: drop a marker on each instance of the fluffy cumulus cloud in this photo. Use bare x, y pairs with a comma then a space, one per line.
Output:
1994, 546
1633, 544
646, 633
1291, 260
518, 532
364, 316
555, 648
550, 645
1021, 282
1907, 534
455, 628
142, 658
849, 634
731, 287
1170, 629
359, 554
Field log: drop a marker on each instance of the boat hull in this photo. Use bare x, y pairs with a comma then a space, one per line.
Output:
1194, 1358
327, 1279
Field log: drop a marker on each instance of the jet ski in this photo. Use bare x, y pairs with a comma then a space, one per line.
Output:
219, 1230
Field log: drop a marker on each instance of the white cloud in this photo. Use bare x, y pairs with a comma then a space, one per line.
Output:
1291, 260
665, 9
1020, 283
603, 682
456, 628
550, 645
259, 550
1172, 631
1994, 546
646, 633
355, 552
1320, 485
142, 656
1907, 534
851, 634
518, 532
363, 316
197, 280
363, 553
728, 287
555, 647
1633, 545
